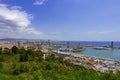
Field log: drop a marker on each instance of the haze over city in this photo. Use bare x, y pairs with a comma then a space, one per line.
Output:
83, 20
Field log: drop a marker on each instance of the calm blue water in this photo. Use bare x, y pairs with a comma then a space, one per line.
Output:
107, 54
92, 43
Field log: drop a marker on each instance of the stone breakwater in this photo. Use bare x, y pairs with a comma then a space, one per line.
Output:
98, 64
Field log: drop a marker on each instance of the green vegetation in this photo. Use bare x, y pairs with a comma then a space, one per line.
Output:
21, 64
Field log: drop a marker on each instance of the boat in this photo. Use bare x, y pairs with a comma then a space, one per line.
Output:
102, 48
78, 50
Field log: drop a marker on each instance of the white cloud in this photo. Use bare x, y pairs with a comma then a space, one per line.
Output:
33, 31
13, 21
16, 7
39, 2
102, 32
55, 33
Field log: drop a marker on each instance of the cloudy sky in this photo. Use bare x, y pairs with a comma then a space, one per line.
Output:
89, 20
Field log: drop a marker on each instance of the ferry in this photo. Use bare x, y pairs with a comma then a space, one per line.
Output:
102, 48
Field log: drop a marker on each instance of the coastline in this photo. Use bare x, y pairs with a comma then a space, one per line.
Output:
102, 54
92, 62
94, 57
80, 55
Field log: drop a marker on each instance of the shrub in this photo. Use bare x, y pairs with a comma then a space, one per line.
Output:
48, 66
1, 58
20, 68
37, 76
35, 67
1, 66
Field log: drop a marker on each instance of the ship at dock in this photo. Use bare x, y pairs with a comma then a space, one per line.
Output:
111, 47
71, 48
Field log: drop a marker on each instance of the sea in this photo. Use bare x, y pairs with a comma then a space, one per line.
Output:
105, 54
92, 43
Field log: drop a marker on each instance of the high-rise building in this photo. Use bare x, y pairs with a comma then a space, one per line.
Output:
112, 44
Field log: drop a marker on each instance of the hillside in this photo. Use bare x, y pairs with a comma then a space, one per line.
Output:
21, 64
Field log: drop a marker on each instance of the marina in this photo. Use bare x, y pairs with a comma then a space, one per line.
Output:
99, 58
106, 54
99, 49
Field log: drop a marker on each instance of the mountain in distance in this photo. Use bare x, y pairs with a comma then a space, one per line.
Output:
20, 39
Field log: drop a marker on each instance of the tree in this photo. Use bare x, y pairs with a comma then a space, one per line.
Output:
60, 59
39, 54
23, 57
0, 50
7, 51
51, 57
22, 50
30, 51
31, 54
14, 50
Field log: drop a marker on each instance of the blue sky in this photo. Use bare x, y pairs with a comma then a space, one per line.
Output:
89, 20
